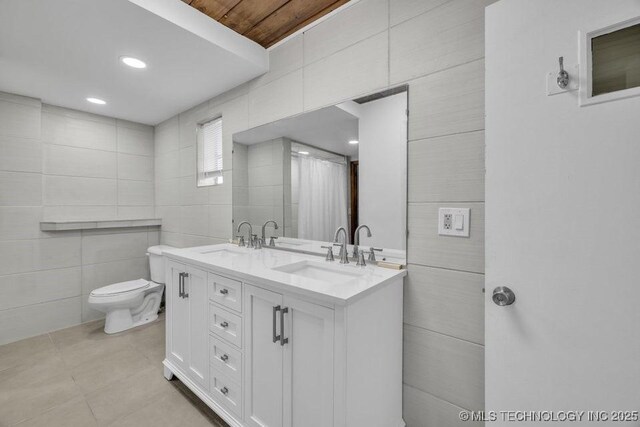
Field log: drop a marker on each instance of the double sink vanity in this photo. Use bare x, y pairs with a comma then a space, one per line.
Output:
278, 331
268, 337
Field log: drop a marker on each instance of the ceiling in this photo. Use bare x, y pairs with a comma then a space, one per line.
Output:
330, 128
265, 21
63, 51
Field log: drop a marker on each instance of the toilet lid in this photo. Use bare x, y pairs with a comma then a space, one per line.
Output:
121, 288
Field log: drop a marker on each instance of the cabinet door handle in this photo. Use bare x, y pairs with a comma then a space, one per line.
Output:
224, 390
180, 284
224, 324
283, 340
184, 292
224, 291
275, 336
224, 358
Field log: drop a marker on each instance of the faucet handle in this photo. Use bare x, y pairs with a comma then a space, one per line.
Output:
240, 240
361, 262
329, 256
372, 253
272, 241
257, 242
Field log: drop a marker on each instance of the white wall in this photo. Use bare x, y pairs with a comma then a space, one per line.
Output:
437, 48
563, 191
63, 164
382, 183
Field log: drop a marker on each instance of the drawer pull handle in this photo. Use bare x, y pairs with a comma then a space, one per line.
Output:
224, 358
224, 291
276, 337
224, 325
224, 390
283, 340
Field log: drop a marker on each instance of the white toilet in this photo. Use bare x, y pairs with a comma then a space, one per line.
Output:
133, 303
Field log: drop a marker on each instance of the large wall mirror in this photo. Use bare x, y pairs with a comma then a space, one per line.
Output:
340, 166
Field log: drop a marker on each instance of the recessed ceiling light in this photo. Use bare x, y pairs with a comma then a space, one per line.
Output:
303, 152
353, 141
96, 101
133, 62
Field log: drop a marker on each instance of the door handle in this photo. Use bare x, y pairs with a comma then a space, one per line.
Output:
275, 336
184, 292
503, 296
224, 291
283, 340
180, 284
224, 325
224, 358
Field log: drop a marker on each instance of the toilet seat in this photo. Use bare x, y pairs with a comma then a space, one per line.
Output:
121, 288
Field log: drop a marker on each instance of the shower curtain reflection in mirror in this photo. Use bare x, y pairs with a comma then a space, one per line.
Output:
322, 196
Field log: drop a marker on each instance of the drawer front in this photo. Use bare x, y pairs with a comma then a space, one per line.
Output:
225, 359
225, 291
225, 324
226, 392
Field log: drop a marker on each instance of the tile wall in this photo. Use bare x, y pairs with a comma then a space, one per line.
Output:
61, 164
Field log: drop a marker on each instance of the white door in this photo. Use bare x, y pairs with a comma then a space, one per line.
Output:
562, 201
308, 364
263, 358
196, 297
177, 315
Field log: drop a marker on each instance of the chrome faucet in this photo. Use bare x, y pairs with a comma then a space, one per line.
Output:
356, 241
264, 237
344, 258
250, 240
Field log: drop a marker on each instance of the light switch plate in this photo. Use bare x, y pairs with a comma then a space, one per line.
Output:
453, 222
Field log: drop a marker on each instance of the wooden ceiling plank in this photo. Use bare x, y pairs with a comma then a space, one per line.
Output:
247, 13
308, 21
289, 18
216, 9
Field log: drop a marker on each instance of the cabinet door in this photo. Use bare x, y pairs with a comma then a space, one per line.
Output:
196, 297
263, 358
308, 364
177, 316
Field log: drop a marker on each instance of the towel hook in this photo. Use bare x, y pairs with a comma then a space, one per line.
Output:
563, 76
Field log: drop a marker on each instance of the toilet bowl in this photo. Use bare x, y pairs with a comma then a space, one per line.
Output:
135, 302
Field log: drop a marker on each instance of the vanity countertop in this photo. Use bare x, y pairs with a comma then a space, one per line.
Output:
307, 275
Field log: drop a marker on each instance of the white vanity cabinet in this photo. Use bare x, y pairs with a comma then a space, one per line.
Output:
186, 301
289, 361
263, 353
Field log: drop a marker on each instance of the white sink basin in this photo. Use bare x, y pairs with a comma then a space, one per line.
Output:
323, 271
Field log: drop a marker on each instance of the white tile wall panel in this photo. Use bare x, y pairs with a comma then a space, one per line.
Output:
357, 70
449, 35
358, 22
447, 367
448, 168
76, 191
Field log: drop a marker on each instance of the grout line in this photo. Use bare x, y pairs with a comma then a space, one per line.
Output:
443, 334
446, 135
445, 268
433, 395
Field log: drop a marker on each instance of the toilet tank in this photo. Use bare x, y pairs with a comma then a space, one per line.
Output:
156, 262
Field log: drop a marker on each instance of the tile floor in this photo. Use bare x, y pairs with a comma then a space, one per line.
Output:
81, 377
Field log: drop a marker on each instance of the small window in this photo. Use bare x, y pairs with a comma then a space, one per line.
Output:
616, 60
210, 153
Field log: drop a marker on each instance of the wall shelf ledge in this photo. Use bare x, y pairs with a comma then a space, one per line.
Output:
92, 225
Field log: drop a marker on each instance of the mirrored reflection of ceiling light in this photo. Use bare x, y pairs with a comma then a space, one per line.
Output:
96, 101
353, 141
303, 152
133, 62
